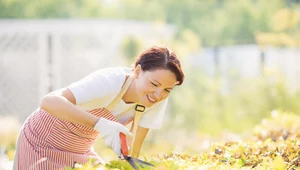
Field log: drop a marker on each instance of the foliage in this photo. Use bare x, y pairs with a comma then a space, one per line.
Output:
285, 30
130, 48
279, 127
89, 165
275, 151
49, 9
9, 133
210, 108
214, 22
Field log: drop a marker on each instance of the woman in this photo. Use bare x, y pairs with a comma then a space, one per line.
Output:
63, 129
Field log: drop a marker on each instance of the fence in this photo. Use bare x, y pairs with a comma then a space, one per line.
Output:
37, 57
248, 61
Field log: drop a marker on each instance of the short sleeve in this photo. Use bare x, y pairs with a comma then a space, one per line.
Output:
153, 117
96, 86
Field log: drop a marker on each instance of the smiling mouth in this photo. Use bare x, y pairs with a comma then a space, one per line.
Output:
151, 99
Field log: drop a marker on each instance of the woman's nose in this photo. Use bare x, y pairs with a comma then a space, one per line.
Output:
158, 94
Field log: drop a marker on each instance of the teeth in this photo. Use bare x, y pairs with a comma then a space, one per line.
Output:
151, 99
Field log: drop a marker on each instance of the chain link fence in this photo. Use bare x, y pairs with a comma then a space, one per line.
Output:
19, 73
239, 62
37, 57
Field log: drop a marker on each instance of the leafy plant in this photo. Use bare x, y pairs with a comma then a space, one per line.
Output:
274, 151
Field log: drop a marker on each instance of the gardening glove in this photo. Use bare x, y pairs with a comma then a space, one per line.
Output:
110, 132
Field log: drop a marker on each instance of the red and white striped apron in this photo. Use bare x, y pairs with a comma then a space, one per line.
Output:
49, 143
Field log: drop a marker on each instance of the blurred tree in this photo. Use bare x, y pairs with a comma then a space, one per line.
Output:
214, 22
186, 44
130, 47
285, 30
50, 9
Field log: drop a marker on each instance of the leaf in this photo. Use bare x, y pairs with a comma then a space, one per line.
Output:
278, 163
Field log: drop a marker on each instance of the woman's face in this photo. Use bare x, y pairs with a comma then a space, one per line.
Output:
153, 86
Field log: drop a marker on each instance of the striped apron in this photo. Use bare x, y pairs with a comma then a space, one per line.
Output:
49, 143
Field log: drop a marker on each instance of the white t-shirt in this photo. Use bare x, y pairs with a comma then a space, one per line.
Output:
99, 88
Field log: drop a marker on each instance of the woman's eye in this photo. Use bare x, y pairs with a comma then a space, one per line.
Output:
153, 84
167, 90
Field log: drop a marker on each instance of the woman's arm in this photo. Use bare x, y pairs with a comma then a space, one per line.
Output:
62, 104
140, 135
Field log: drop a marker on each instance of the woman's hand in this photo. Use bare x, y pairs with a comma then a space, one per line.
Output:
110, 132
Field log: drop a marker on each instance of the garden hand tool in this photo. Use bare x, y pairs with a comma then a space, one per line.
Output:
124, 151
109, 131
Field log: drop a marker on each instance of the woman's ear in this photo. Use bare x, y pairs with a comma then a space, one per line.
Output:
137, 70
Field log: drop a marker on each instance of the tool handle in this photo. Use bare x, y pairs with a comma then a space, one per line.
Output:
124, 147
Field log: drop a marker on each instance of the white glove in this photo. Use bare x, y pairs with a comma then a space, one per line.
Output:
110, 132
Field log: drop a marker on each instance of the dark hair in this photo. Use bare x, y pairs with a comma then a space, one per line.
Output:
158, 57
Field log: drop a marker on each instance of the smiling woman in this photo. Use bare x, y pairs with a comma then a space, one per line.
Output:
157, 71
156, 86
62, 131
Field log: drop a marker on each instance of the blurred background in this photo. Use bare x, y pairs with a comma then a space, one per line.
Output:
240, 58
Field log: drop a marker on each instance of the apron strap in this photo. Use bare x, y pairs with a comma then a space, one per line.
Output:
120, 94
137, 118
139, 109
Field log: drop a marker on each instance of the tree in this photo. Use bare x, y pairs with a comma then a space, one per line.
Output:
285, 30
130, 47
